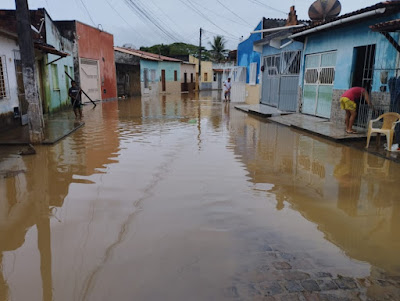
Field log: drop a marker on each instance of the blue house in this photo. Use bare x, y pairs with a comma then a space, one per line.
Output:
348, 51
251, 59
280, 65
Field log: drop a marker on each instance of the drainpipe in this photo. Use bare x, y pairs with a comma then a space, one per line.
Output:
338, 22
277, 28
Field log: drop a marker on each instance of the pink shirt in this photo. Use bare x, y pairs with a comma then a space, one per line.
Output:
354, 93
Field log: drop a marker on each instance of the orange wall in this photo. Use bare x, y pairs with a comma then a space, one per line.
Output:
99, 45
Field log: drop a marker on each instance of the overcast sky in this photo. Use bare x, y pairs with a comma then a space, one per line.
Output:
148, 22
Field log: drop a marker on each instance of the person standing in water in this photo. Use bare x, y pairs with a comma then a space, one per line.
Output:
227, 89
76, 100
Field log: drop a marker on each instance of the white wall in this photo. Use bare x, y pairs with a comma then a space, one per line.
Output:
6, 51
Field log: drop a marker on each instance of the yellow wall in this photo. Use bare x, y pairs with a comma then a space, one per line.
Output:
252, 94
206, 67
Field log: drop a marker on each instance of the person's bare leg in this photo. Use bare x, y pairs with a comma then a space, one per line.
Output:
76, 114
353, 115
80, 114
347, 119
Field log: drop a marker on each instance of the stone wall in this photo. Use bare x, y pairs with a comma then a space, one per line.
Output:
378, 99
337, 115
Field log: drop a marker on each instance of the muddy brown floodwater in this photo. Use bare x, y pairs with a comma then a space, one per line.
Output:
179, 199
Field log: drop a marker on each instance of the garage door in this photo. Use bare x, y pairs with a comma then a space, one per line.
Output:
90, 79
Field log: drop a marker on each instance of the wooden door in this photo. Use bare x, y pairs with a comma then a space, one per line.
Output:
163, 80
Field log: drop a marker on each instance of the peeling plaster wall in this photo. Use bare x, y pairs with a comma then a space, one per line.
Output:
57, 99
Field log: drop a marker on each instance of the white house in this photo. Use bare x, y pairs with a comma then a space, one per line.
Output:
8, 79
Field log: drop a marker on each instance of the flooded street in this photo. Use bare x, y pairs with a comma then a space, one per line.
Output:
174, 198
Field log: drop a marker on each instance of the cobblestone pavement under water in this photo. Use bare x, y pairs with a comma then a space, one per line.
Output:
180, 199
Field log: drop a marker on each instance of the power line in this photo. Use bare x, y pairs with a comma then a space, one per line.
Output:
140, 11
267, 6
87, 11
219, 15
228, 9
136, 31
218, 34
190, 5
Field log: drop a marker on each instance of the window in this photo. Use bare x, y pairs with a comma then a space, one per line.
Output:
191, 77
205, 77
215, 76
54, 77
253, 74
175, 75
153, 75
3, 77
146, 77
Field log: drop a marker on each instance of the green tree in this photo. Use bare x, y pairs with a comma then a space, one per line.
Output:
218, 52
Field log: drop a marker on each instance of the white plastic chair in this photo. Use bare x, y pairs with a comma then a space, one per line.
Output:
390, 120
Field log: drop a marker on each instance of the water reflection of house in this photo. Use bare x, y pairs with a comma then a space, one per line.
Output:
329, 185
53, 55
28, 200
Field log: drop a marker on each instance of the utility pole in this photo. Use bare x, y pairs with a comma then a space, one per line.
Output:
200, 59
25, 41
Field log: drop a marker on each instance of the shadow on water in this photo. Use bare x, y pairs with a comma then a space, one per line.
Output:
172, 188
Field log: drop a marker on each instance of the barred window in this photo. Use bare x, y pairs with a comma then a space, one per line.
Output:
153, 75
3, 78
146, 77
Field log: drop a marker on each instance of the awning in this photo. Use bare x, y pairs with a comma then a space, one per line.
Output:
46, 48
389, 26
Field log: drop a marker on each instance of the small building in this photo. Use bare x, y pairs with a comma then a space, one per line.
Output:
51, 62
207, 73
94, 64
158, 73
188, 72
343, 52
128, 73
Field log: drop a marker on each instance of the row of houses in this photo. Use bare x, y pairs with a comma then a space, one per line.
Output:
305, 66
72, 49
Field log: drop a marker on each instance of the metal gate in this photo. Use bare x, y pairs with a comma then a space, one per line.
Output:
319, 77
280, 80
90, 79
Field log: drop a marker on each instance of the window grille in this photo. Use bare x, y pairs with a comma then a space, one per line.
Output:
153, 75
146, 77
3, 78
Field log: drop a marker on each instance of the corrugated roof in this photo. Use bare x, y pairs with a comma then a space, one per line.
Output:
389, 5
283, 33
388, 26
146, 55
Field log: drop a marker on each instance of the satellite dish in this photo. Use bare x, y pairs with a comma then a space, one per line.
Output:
322, 10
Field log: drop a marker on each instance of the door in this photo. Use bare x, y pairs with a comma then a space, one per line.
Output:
280, 80
271, 80
163, 80
319, 78
90, 79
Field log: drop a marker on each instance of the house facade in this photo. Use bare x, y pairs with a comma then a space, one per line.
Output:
188, 77
345, 52
250, 59
53, 56
156, 73
128, 73
9, 102
93, 54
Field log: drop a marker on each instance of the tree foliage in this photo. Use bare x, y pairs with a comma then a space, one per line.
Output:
218, 52
176, 49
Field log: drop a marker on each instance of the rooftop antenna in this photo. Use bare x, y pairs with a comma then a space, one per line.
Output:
324, 10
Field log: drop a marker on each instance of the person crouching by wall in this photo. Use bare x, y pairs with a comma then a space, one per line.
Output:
349, 102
